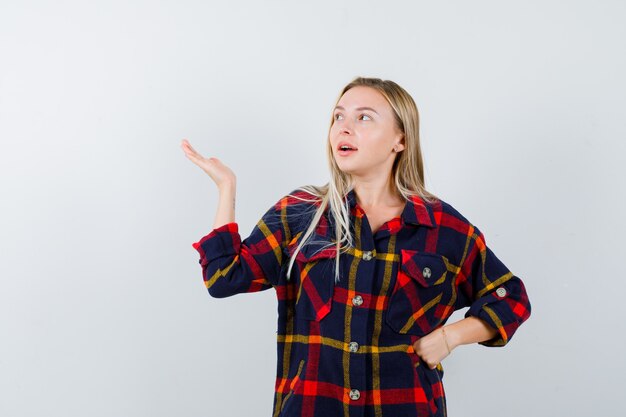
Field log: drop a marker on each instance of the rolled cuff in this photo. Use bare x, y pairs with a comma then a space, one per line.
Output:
221, 241
505, 309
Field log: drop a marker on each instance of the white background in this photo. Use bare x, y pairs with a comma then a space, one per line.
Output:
103, 311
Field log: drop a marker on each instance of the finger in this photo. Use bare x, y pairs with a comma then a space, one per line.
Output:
196, 159
190, 150
193, 156
192, 153
187, 145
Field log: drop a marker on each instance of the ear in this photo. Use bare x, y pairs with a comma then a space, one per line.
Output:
400, 143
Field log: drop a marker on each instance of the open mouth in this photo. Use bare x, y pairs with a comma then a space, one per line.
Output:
346, 151
346, 148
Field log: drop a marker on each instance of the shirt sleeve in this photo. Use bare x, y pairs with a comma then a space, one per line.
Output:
495, 294
231, 266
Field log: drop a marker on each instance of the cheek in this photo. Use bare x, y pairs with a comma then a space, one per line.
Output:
377, 143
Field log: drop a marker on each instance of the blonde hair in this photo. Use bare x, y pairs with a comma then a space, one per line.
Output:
407, 169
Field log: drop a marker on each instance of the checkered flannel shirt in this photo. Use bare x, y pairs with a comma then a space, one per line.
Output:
346, 349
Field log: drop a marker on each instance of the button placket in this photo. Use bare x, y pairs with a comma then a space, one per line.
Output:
359, 325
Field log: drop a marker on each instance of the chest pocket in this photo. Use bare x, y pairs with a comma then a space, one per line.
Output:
420, 299
314, 295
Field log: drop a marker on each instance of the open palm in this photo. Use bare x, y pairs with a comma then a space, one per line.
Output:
220, 173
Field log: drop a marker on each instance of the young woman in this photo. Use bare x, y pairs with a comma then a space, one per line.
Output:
367, 269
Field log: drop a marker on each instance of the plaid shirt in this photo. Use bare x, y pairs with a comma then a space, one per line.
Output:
346, 349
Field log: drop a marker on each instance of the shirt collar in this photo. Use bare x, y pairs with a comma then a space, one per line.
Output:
416, 210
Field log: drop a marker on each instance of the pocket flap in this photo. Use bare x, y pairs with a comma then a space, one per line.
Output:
426, 268
317, 279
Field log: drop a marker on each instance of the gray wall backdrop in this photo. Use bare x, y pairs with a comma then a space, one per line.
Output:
103, 311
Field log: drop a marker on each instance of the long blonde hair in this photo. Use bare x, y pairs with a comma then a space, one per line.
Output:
407, 169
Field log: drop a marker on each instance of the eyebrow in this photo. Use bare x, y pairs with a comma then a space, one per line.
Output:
358, 108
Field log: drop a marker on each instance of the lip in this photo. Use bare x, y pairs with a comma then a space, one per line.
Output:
343, 142
345, 153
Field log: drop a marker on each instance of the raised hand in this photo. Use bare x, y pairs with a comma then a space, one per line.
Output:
222, 175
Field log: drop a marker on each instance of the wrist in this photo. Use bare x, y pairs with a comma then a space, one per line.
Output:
450, 336
227, 187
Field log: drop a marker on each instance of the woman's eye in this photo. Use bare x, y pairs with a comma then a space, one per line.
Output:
363, 115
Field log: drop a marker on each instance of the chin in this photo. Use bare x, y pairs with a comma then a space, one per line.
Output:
349, 170
349, 166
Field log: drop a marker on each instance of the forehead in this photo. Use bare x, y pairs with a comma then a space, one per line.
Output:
361, 96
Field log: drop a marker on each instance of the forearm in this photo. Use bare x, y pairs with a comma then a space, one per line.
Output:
225, 206
469, 330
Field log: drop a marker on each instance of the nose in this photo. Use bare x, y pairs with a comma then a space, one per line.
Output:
346, 127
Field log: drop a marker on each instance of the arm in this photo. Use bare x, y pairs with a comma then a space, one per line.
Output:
498, 305
493, 293
438, 344
225, 205
224, 179
230, 265
468, 330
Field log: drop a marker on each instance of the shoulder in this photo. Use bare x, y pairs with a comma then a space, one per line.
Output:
300, 198
451, 222
294, 209
449, 212
303, 194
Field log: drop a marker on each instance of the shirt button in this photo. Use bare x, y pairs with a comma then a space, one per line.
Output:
354, 346
355, 394
501, 292
367, 255
357, 300
426, 272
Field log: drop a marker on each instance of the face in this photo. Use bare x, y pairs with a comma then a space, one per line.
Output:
364, 120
